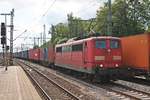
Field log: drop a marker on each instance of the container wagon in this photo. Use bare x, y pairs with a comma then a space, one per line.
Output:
25, 54
44, 56
51, 54
136, 53
41, 51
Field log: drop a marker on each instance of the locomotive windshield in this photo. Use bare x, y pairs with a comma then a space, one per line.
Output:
114, 44
100, 44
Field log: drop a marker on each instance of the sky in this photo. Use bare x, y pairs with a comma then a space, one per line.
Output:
31, 15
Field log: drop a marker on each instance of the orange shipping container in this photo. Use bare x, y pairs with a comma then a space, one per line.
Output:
136, 51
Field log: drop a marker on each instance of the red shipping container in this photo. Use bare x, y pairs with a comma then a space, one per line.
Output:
51, 54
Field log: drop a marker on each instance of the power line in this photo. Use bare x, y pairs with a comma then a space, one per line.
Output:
20, 35
39, 18
49, 8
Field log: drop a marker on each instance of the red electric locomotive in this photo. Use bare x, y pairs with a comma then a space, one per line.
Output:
96, 56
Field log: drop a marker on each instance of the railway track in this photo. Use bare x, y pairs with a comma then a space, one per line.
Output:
120, 91
67, 94
41, 91
138, 81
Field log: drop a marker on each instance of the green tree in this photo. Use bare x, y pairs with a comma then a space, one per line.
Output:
128, 17
58, 32
76, 27
79, 27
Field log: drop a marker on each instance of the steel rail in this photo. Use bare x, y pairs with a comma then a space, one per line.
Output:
121, 93
52, 81
104, 87
126, 87
43, 92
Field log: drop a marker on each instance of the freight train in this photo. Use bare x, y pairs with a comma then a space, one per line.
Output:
136, 54
99, 57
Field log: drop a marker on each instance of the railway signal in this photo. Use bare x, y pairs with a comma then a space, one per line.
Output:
3, 33
11, 14
7, 48
3, 29
3, 40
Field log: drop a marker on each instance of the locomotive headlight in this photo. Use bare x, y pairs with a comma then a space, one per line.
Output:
116, 65
35, 54
101, 65
116, 57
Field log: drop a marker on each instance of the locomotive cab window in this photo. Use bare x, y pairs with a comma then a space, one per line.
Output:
114, 44
100, 44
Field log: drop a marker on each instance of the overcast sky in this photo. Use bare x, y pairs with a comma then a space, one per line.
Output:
30, 15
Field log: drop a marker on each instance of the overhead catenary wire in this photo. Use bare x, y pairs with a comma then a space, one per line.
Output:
49, 8
42, 15
20, 35
91, 3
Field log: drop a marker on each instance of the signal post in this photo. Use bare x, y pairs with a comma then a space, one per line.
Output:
11, 14
3, 42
